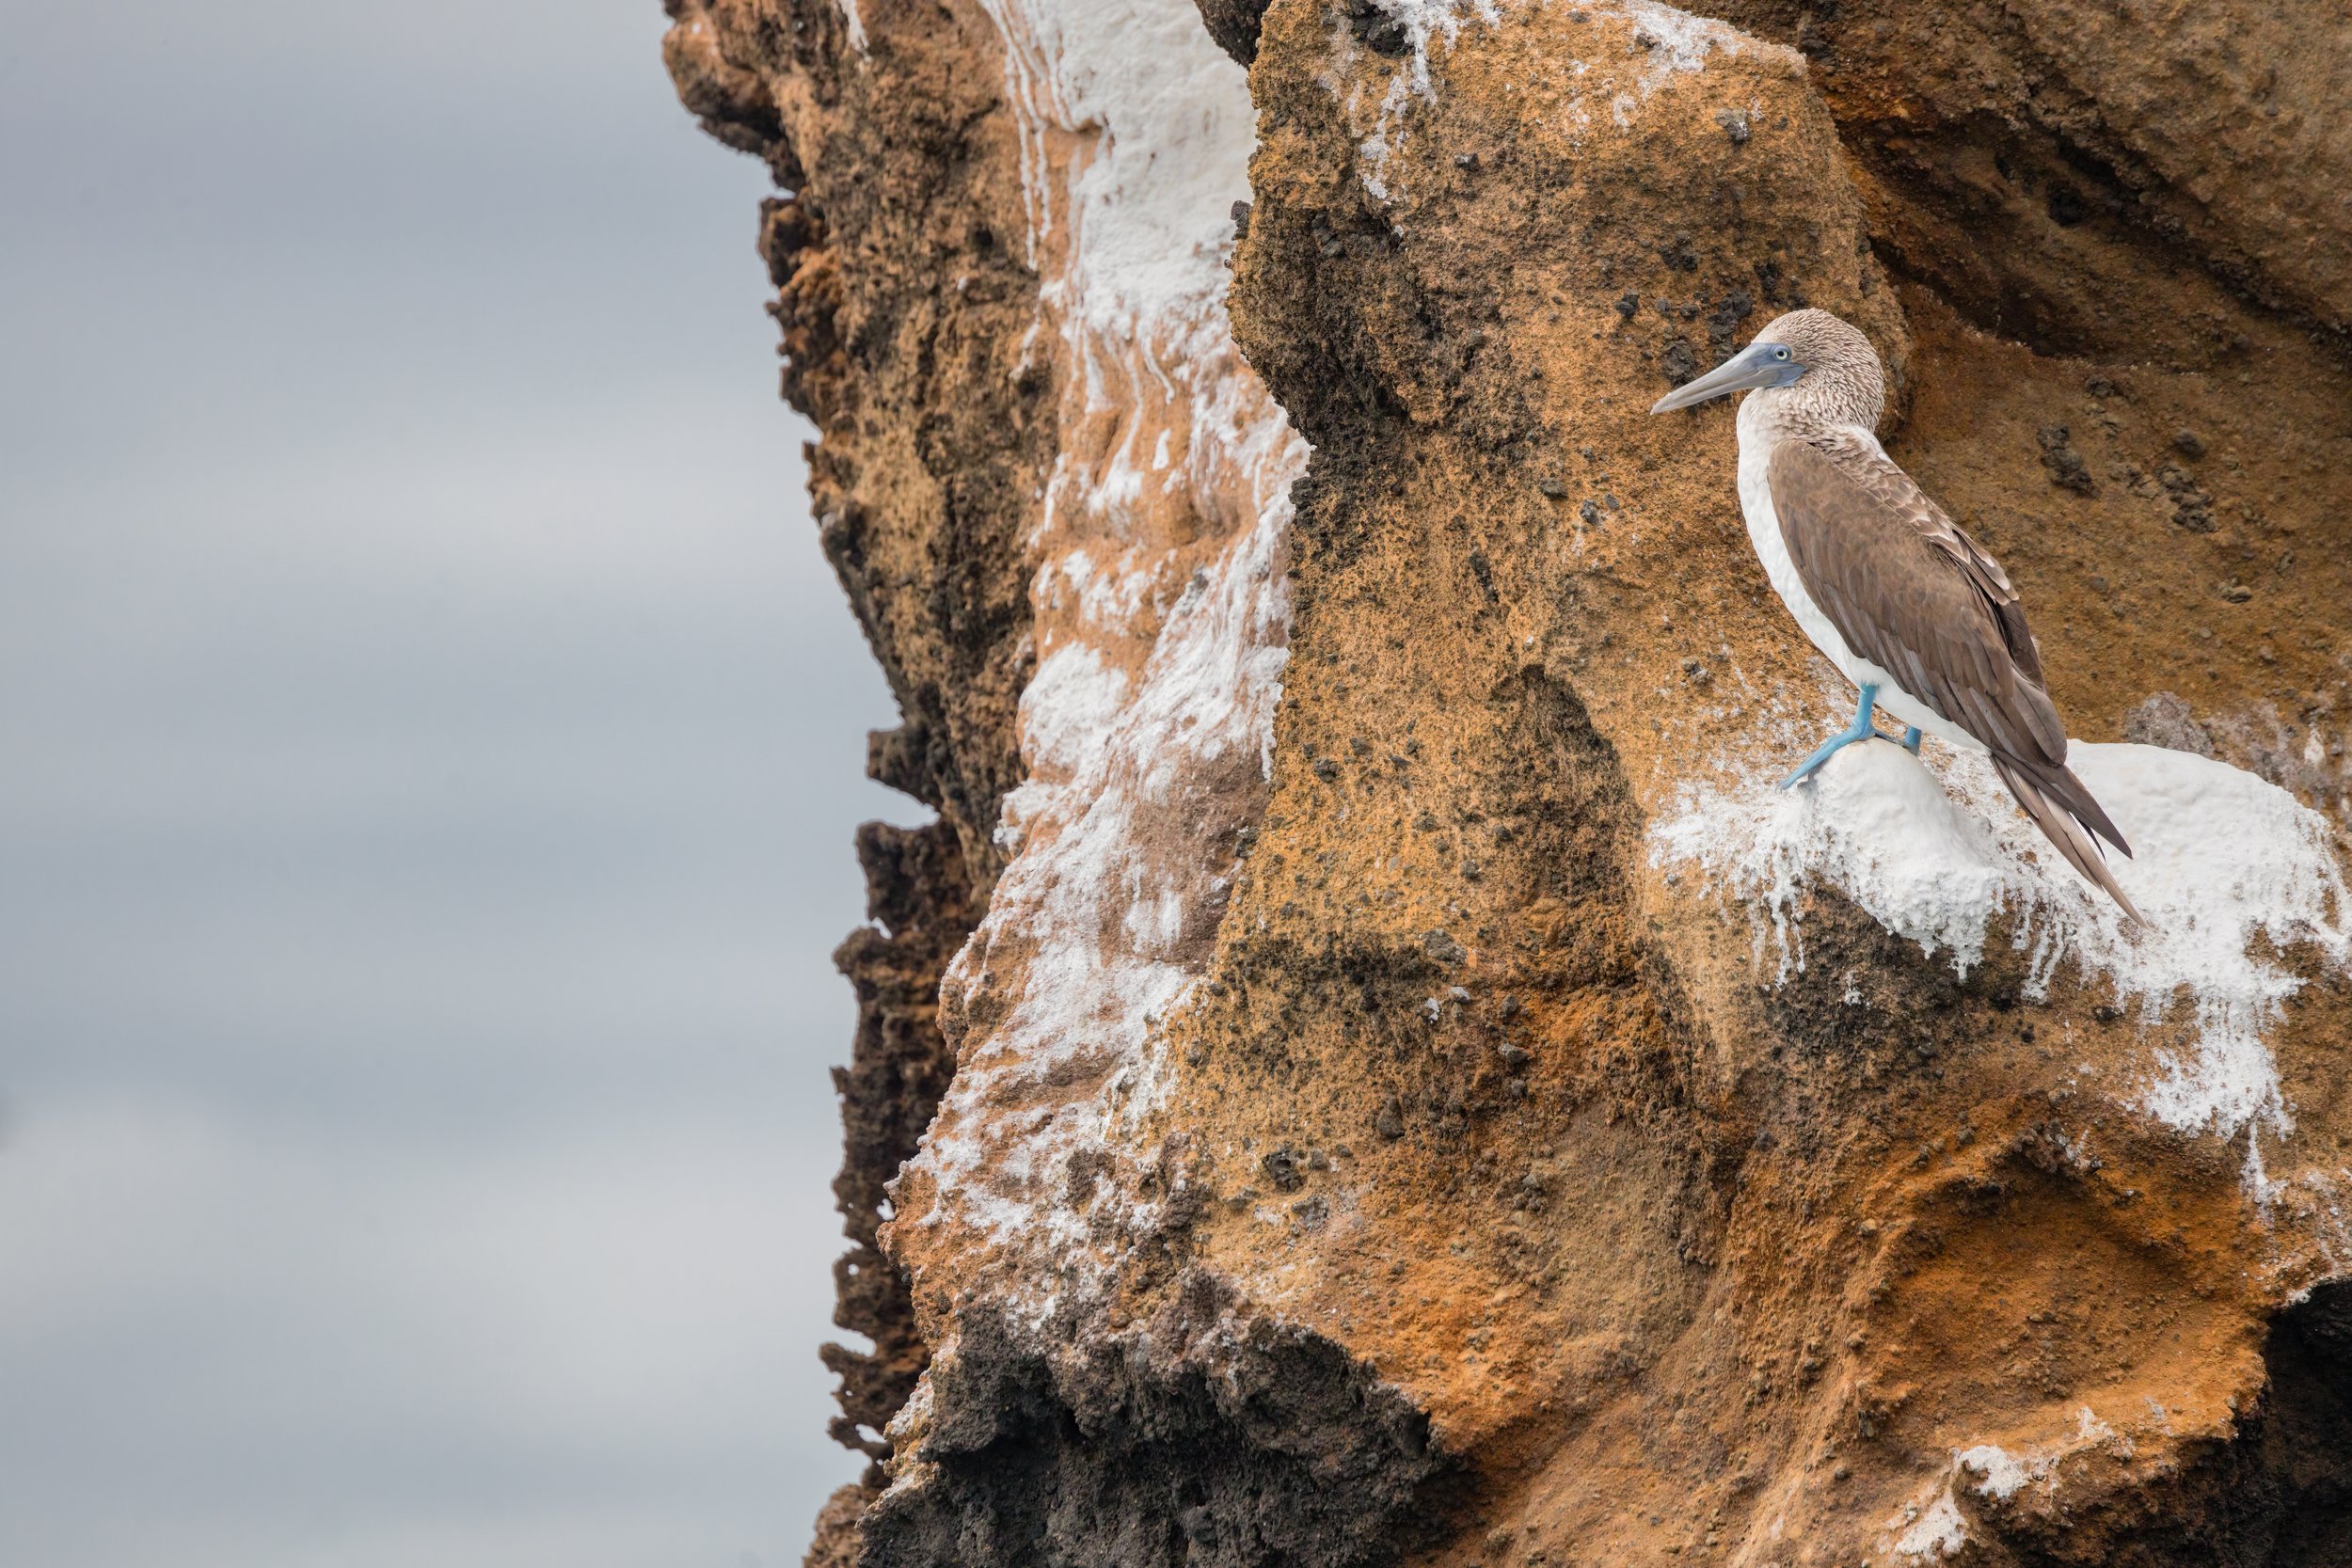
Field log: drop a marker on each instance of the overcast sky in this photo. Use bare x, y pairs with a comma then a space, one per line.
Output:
429, 745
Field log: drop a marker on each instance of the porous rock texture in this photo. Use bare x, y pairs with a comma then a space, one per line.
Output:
1419, 1092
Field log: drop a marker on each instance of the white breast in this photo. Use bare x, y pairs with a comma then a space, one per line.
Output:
1755, 504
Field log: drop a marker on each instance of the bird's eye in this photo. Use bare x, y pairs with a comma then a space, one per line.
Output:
1780, 354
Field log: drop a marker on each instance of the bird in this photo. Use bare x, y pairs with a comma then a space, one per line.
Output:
1910, 608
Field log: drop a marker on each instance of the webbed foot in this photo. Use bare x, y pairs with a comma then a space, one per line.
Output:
1861, 729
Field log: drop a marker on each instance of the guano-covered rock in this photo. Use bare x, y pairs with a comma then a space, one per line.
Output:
1368, 1067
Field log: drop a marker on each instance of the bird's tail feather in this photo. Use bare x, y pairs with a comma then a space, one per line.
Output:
2061, 786
2067, 816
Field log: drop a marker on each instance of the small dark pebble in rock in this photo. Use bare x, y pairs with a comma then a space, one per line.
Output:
2188, 443
2067, 467
1722, 326
2192, 508
1380, 31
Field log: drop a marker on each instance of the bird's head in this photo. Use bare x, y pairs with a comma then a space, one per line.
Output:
1811, 357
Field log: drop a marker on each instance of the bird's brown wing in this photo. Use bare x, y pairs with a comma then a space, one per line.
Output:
1912, 594
1909, 591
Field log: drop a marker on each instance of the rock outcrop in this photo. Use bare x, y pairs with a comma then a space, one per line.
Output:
1403, 1085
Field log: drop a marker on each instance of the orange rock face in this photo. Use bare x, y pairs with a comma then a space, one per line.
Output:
1420, 1093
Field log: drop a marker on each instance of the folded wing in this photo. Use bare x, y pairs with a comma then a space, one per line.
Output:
1909, 591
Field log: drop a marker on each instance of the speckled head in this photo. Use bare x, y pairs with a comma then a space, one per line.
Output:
1815, 366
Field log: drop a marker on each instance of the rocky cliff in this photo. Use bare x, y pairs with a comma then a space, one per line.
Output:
1367, 1067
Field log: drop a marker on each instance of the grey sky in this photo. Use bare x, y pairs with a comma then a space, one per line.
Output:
429, 742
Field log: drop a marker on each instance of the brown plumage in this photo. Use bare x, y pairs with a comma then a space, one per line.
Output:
1911, 592
1884, 581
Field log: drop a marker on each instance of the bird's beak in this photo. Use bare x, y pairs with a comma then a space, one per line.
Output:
1751, 368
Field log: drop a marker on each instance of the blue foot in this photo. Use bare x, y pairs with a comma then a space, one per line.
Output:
1911, 740
1861, 729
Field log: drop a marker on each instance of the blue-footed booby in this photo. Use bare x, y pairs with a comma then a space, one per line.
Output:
1907, 605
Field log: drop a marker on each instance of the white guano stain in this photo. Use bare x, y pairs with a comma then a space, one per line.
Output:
855, 24
1161, 619
1935, 854
1999, 1473
1665, 41
1939, 1531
